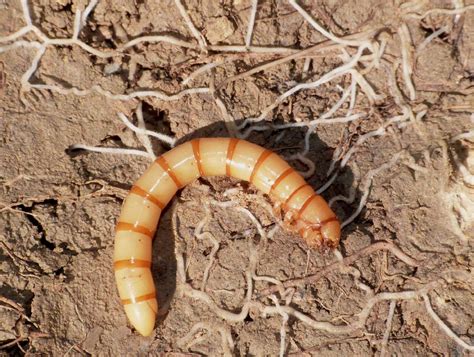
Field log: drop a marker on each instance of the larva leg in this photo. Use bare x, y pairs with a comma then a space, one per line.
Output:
303, 210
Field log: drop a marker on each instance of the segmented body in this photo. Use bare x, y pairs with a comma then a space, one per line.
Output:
304, 210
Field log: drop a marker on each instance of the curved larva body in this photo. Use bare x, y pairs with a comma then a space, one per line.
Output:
307, 212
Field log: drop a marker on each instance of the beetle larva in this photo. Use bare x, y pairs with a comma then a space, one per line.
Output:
304, 210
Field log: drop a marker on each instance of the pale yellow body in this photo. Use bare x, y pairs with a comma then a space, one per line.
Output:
303, 209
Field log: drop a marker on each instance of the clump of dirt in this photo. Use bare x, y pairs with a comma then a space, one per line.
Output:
389, 142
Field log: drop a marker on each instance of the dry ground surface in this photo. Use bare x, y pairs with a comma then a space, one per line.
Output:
371, 100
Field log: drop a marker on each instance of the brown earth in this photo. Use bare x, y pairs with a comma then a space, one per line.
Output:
58, 206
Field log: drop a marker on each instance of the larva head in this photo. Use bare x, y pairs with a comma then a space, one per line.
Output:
324, 235
331, 233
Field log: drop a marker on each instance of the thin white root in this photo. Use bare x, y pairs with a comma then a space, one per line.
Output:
461, 205
197, 35
158, 39
413, 6
249, 214
306, 65
20, 43
388, 328
325, 33
141, 131
467, 177
310, 164
114, 151
252, 49
441, 11
199, 234
268, 279
34, 65
207, 67
430, 38
443, 326
284, 321
365, 86
345, 94
335, 73
26, 12
327, 184
378, 132
367, 184
189, 291
142, 136
77, 25
226, 337
458, 4
337, 120
122, 97
465, 135
352, 191
87, 11
21, 32
253, 14
361, 316
407, 61
229, 120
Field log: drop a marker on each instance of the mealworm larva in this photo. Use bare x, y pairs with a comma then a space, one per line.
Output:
303, 209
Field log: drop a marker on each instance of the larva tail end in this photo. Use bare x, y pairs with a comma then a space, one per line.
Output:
142, 316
